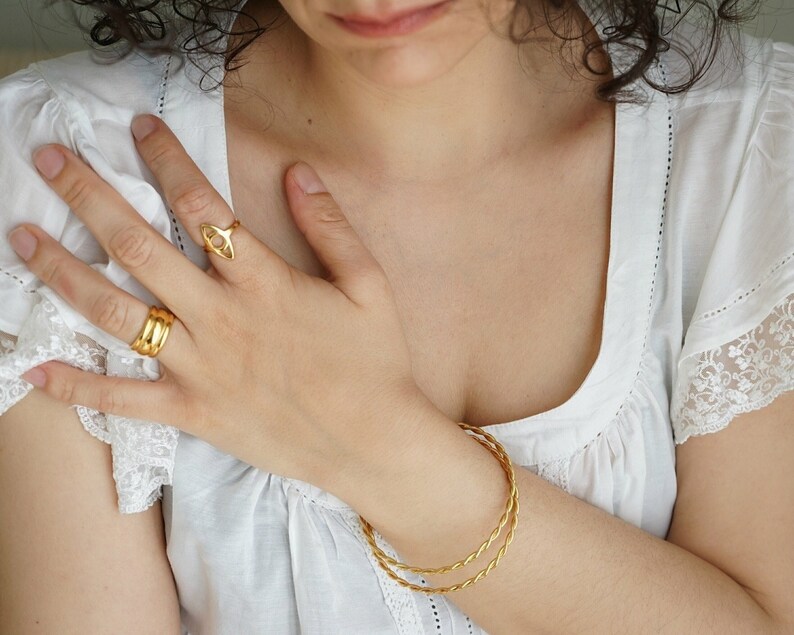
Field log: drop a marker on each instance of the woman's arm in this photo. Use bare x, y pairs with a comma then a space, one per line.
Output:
365, 435
727, 566
69, 561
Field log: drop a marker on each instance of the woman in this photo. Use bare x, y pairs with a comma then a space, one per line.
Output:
438, 225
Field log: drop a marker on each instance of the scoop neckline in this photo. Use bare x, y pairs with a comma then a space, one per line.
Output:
642, 138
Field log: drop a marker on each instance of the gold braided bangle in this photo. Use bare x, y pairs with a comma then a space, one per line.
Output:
384, 561
511, 502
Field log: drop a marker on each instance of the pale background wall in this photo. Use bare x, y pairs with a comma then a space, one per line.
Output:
28, 30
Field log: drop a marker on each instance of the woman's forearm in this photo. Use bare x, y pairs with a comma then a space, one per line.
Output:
571, 567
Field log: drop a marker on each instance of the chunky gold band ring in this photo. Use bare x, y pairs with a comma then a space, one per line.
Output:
225, 249
154, 332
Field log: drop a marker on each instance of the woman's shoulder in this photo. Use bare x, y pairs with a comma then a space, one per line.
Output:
732, 136
73, 100
89, 82
731, 201
747, 77
87, 106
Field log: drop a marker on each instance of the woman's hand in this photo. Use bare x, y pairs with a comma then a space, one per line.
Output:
301, 376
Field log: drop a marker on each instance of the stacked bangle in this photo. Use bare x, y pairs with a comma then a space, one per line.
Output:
385, 562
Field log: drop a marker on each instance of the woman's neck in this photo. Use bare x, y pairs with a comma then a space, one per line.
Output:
487, 107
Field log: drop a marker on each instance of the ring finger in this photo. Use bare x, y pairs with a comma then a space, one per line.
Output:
105, 305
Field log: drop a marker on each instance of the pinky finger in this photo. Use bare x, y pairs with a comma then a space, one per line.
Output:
121, 396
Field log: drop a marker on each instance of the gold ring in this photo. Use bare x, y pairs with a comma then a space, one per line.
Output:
210, 232
154, 332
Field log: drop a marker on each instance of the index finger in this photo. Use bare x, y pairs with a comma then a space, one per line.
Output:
122, 232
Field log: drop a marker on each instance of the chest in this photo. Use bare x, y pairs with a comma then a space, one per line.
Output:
500, 283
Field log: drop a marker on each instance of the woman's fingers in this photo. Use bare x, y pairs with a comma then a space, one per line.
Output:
111, 309
124, 234
120, 396
195, 202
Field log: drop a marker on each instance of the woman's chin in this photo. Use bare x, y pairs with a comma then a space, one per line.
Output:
403, 67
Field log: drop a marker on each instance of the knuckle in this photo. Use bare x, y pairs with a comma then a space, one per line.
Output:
78, 194
60, 388
193, 199
132, 247
51, 271
159, 154
108, 399
109, 312
225, 319
328, 211
250, 281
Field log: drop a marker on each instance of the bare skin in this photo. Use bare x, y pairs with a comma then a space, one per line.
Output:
401, 135
69, 561
500, 279
475, 270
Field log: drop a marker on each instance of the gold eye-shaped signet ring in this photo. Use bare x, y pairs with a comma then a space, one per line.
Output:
211, 234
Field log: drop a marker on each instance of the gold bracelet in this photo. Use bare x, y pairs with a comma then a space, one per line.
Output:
384, 561
512, 500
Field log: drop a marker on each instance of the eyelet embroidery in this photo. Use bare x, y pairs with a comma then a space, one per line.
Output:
744, 294
433, 607
161, 99
16, 278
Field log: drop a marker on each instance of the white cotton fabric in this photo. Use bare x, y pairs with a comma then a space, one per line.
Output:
697, 328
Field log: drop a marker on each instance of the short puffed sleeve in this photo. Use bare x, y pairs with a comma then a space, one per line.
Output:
36, 325
738, 349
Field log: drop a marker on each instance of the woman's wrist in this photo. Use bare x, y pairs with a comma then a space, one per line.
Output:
435, 495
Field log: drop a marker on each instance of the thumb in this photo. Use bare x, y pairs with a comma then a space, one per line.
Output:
351, 266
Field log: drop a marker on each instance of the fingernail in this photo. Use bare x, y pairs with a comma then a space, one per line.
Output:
49, 162
142, 126
23, 242
35, 376
307, 179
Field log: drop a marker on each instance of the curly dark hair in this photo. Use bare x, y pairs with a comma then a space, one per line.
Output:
644, 26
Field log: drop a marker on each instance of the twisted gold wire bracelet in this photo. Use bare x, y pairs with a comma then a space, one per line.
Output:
384, 561
511, 502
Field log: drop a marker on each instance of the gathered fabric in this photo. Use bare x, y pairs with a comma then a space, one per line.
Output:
697, 329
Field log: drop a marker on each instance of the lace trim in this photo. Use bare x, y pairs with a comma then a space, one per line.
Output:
143, 452
45, 337
742, 375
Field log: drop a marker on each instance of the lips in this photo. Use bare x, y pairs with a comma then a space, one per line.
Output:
383, 17
391, 23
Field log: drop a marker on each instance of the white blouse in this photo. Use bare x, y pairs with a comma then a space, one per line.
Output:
697, 328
